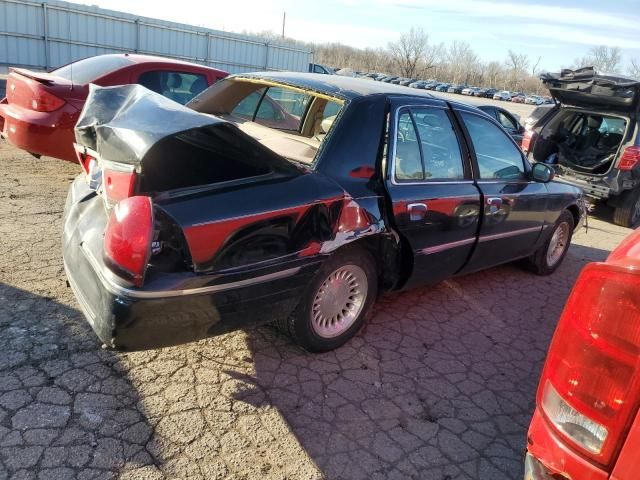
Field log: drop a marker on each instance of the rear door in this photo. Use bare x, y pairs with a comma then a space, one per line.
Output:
513, 205
435, 201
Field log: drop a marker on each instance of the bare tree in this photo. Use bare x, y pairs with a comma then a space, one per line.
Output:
409, 51
634, 68
534, 68
602, 58
463, 62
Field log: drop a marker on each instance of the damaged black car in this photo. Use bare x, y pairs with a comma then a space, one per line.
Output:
295, 199
591, 138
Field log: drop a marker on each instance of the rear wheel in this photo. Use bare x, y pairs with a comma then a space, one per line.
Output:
628, 213
336, 303
549, 256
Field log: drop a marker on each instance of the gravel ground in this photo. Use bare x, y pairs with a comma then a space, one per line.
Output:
439, 385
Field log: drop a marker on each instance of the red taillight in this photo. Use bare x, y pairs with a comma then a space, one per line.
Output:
128, 237
590, 383
118, 184
526, 140
46, 102
630, 158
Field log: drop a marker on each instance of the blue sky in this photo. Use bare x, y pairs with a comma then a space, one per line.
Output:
557, 32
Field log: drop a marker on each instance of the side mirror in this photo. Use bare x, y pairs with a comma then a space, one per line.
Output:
542, 172
520, 128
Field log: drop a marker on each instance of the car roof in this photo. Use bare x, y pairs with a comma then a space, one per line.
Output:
336, 85
140, 59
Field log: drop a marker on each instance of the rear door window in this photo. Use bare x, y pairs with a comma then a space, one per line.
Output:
427, 147
180, 87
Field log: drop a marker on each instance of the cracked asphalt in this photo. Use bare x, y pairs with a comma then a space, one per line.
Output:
439, 384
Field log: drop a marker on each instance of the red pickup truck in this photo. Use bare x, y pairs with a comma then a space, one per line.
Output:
586, 425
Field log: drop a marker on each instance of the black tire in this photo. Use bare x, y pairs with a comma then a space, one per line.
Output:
302, 328
539, 262
628, 213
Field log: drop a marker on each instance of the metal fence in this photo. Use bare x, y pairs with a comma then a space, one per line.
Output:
43, 35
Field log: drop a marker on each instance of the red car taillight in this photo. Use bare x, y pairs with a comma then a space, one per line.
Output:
590, 385
526, 140
630, 158
44, 101
118, 183
128, 237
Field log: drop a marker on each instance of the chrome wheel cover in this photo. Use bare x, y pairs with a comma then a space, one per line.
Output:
558, 244
339, 301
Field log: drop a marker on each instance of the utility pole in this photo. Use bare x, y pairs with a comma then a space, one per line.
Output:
284, 19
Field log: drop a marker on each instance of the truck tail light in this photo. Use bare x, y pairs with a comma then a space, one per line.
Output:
630, 158
128, 238
526, 140
591, 379
118, 182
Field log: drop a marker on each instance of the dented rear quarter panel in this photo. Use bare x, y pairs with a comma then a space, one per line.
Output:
293, 216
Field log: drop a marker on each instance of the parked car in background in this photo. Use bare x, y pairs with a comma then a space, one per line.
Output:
468, 91
548, 100
586, 424
431, 85
533, 100
591, 138
41, 108
388, 79
323, 69
509, 121
504, 95
443, 87
407, 81
456, 89
421, 84
195, 221
488, 93
518, 99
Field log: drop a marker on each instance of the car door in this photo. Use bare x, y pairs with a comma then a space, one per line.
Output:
434, 200
514, 206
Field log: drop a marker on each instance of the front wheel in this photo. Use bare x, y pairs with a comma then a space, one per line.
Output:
549, 256
336, 302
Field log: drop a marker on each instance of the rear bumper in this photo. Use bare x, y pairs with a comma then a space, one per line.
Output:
169, 309
594, 190
548, 458
43, 133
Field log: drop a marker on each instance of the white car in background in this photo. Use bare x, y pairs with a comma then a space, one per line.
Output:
533, 100
503, 95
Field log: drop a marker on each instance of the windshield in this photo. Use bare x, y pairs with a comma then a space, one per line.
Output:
90, 69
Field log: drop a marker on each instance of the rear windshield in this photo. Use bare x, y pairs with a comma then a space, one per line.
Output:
90, 69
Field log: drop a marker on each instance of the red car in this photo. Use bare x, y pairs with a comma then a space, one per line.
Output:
586, 425
41, 109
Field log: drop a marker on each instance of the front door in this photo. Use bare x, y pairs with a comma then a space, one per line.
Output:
435, 202
514, 206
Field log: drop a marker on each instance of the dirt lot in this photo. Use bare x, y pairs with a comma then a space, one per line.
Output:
439, 385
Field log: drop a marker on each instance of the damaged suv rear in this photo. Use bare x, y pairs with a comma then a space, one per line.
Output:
591, 138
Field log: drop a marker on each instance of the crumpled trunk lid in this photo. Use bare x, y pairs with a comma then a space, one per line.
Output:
168, 146
587, 88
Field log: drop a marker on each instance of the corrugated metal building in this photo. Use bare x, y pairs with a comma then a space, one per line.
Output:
43, 35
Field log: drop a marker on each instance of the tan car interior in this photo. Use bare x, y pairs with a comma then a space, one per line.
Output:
301, 146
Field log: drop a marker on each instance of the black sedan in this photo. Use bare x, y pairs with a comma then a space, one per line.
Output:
194, 221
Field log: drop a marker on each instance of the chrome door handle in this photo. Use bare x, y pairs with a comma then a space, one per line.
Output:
494, 201
417, 211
